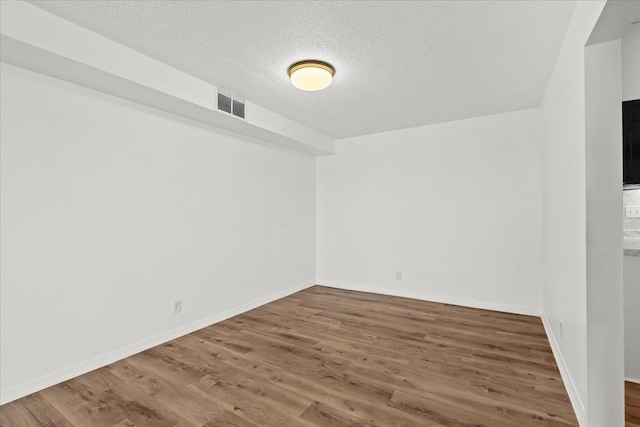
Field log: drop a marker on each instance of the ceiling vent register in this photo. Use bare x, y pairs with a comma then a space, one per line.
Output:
229, 103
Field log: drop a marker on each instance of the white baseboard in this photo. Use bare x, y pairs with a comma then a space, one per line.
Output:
632, 380
572, 391
31, 386
485, 305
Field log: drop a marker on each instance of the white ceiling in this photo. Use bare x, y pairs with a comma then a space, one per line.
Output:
398, 64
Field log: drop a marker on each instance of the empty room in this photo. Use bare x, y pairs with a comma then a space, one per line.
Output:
320, 213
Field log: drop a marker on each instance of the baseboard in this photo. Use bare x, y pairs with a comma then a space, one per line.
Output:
572, 391
632, 380
485, 305
40, 383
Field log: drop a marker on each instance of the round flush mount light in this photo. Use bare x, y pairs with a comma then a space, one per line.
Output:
311, 75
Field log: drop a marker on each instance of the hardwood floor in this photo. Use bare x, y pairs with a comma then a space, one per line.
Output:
632, 404
324, 357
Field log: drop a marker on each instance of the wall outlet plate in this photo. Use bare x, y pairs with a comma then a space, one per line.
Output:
632, 211
176, 306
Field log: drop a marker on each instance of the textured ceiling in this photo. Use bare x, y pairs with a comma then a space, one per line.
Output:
398, 64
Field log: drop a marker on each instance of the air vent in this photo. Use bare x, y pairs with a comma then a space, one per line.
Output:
230, 103
238, 107
224, 102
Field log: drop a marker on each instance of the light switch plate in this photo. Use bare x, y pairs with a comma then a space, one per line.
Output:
633, 212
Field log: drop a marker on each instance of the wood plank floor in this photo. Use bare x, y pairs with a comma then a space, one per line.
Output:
324, 357
632, 404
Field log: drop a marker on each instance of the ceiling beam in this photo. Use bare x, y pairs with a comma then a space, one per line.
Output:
36, 40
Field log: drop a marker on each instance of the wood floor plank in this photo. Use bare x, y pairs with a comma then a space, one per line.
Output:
441, 378
83, 405
324, 389
176, 395
33, 410
324, 415
632, 404
228, 419
261, 405
327, 357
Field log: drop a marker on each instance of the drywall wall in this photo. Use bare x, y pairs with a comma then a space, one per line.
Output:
111, 210
632, 318
564, 206
605, 319
453, 207
631, 63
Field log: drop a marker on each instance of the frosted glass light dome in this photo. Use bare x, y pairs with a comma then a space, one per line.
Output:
311, 75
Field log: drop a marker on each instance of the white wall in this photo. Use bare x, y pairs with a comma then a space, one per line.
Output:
564, 204
605, 319
632, 317
631, 63
454, 206
110, 210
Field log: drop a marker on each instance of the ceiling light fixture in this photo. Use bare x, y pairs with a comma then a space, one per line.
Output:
311, 75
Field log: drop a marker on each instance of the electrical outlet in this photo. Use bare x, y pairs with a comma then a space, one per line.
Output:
632, 211
176, 307
398, 275
561, 329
